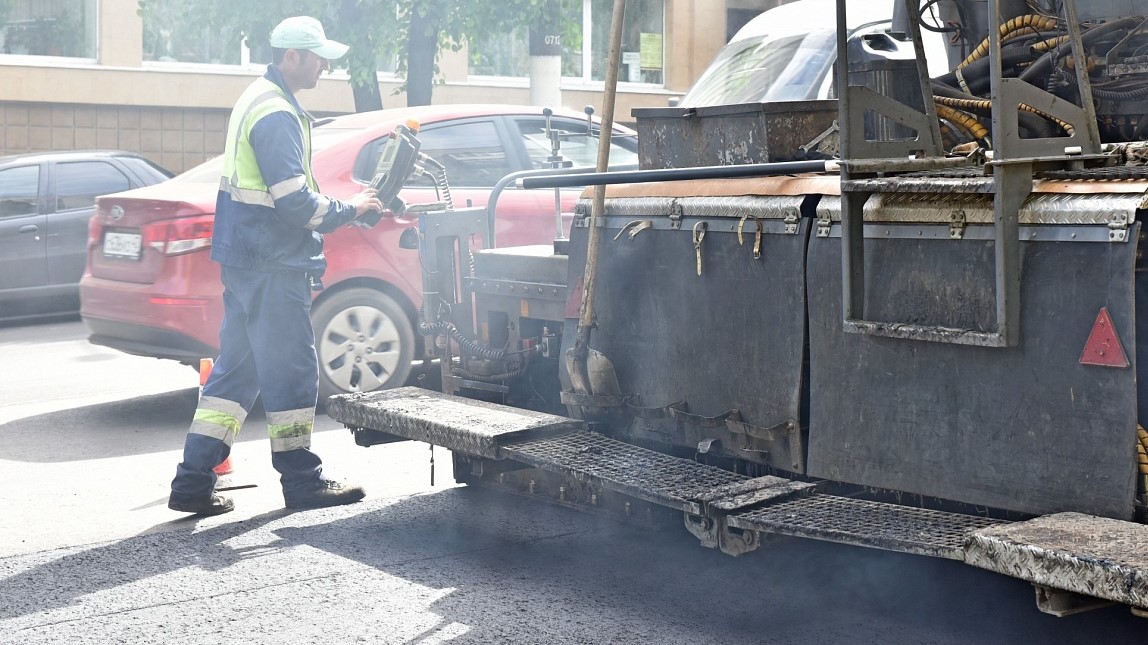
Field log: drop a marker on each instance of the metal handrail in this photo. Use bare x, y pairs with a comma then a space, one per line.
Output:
512, 178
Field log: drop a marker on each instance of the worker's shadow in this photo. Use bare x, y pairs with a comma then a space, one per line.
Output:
162, 549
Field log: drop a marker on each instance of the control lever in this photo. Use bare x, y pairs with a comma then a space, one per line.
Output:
556, 161
396, 163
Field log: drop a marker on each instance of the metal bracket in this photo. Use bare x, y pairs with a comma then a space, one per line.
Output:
856, 101
1009, 92
714, 533
784, 440
792, 217
957, 224
824, 224
1062, 603
676, 214
1118, 228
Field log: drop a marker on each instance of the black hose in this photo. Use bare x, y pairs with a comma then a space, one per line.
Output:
1031, 125
1125, 95
1043, 65
470, 346
491, 378
978, 75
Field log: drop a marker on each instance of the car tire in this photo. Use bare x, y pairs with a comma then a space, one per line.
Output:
363, 340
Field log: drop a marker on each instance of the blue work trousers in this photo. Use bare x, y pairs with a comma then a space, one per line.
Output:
267, 347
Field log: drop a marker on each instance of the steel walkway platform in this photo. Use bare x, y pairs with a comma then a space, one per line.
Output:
728, 510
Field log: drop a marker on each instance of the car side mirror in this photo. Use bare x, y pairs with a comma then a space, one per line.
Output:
409, 239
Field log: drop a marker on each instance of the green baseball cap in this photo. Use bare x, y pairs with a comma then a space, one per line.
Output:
304, 32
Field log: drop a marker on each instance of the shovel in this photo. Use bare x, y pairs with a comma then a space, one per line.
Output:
590, 371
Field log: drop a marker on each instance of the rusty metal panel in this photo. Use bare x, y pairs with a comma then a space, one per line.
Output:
1027, 429
729, 134
731, 338
1093, 556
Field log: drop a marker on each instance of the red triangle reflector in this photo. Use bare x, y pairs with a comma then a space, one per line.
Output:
1103, 347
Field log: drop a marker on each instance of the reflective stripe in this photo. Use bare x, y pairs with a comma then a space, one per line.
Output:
290, 443
250, 196
287, 186
320, 211
291, 417
290, 429
218, 418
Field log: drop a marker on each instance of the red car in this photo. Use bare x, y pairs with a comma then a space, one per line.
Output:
150, 289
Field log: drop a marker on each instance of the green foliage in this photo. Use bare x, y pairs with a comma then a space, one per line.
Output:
375, 29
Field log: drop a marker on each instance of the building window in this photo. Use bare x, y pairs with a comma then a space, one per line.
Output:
49, 28
168, 38
500, 54
584, 58
79, 183
642, 40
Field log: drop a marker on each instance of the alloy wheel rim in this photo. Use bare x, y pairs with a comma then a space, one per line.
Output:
359, 349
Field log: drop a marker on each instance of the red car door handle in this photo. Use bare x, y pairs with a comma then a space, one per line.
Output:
29, 228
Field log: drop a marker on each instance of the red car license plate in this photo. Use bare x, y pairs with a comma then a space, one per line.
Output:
122, 245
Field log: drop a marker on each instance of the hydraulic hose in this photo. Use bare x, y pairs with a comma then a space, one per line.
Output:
1011, 29
986, 105
1142, 461
1115, 95
1142, 449
1043, 65
470, 345
1032, 125
1047, 45
977, 75
965, 122
471, 376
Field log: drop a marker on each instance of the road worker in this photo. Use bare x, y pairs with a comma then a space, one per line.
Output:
269, 221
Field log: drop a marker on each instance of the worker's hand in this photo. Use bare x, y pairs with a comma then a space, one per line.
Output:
366, 202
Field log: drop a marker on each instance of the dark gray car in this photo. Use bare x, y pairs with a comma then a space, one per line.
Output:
46, 200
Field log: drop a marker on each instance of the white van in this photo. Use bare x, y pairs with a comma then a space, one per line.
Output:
787, 53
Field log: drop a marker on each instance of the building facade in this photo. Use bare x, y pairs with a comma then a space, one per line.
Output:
77, 74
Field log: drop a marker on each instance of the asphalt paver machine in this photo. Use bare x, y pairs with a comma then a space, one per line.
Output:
905, 318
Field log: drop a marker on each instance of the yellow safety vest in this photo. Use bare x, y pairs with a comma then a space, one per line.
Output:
241, 177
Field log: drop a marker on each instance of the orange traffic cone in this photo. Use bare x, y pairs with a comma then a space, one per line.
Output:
205, 365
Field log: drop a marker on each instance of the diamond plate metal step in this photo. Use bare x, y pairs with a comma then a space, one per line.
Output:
686, 485
465, 425
866, 523
1094, 556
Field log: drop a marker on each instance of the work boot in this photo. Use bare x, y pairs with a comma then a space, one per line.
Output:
214, 505
324, 493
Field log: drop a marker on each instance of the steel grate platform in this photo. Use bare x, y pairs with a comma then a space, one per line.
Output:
866, 523
560, 445
646, 474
